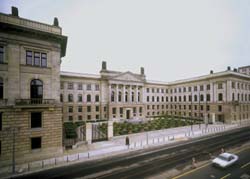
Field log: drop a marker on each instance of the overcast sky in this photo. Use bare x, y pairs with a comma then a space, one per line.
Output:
171, 39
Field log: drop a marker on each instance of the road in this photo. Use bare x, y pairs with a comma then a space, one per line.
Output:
148, 162
207, 171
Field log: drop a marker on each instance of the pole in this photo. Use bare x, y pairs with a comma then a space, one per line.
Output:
13, 150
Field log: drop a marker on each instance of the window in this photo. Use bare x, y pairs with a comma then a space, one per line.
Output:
79, 97
201, 88
233, 98
195, 88
36, 143
220, 86
0, 147
233, 84
112, 96
97, 87
1, 88
139, 97
195, 97
1, 121
96, 98
62, 85
208, 108
1, 54
70, 97
70, 118
29, 57
97, 108
113, 110
89, 87
208, 86
79, 118
208, 97
88, 98
120, 96
220, 97
147, 90
79, 108
104, 108
189, 89
126, 96
70, 109
70, 86
36, 59
121, 111
88, 108
190, 98
133, 97
219, 108
140, 110
44, 60
36, 120
36, 89
79, 86
97, 116
201, 97
89, 117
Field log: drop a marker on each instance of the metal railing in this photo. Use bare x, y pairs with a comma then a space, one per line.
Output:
35, 101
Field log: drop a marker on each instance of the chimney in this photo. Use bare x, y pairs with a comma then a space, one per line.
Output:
14, 11
228, 68
104, 65
235, 69
142, 71
211, 71
56, 22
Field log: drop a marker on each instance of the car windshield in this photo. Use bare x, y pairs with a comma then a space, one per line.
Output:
223, 157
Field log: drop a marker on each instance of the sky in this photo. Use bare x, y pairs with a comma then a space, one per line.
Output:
171, 39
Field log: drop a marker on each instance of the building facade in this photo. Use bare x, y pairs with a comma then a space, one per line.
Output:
112, 95
30, 108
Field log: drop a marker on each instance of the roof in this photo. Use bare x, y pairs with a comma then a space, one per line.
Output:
83, 75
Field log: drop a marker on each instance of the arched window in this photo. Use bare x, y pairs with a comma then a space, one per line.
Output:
112, 96
88, 98
120, 96
126, 96
36, 89
1, 88
133, 97
201, 97
70, 97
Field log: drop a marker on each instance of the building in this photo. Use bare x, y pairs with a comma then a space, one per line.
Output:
112, 95
36, 98
30, 108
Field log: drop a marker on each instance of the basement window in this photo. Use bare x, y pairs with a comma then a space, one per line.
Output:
36, 143
36, 120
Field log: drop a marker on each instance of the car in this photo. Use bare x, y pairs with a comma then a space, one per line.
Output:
225, 160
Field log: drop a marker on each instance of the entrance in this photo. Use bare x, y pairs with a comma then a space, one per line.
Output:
127, 114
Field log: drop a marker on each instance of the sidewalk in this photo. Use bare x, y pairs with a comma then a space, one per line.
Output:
117, 146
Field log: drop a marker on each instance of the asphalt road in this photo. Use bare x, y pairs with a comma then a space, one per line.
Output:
141, 164
236, 171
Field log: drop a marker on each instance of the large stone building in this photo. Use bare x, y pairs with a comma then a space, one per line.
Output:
36, 97
30, 108
112, 95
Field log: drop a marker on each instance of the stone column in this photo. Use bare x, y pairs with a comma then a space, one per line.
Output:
110, 130
136, 94
116, 93
123, 93
88, 133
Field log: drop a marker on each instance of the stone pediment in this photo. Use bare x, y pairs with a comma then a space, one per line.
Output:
127, 76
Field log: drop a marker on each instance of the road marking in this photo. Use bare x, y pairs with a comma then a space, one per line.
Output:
191, 171
226, 176
243, 166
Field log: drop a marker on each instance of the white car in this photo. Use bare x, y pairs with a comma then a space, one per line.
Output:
225, 159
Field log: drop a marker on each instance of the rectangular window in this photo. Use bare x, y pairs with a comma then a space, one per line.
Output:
70, 86
44, 60
70, 118
29, 57
113, 110
79, 118
97, 108
97, 117
0, 147
79, 86
208, 87
195, 88
79, 108
220, 86
220, 97
89, 117
36, 120
97, 87
1, 54
88, 108
70, 109
201, 88
121, 111
36, 143
88, 87
36, 59
219, 108
62, 85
